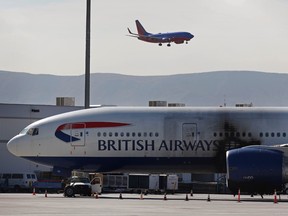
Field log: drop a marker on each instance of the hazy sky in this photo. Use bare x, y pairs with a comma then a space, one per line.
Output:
48, 36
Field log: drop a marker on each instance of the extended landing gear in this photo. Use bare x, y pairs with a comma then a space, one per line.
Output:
160, 44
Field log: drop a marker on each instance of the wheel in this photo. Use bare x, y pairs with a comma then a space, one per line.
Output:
168, 44
160, 44
69, 191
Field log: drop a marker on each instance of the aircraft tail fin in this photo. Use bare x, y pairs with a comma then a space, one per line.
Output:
140, 28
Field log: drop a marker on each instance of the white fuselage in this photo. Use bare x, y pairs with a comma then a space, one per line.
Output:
149, 139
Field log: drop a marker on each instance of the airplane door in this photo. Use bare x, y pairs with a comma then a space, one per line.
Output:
78, 134
189, 134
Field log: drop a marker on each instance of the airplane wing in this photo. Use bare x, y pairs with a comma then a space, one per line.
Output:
133, 36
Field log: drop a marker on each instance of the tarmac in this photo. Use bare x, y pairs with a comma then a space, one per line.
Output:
135, 204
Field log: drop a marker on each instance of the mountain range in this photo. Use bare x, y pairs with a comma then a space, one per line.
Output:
194, 89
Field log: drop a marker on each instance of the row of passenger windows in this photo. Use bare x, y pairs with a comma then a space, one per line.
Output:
244, 134
127, 134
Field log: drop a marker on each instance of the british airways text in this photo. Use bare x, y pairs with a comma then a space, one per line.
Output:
153, 145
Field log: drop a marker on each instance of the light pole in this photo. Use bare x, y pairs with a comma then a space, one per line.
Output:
87, 56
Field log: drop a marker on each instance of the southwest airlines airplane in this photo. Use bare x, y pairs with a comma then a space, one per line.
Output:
247, 143
176, 37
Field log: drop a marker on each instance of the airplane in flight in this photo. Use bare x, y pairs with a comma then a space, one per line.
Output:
176, 37
248, 143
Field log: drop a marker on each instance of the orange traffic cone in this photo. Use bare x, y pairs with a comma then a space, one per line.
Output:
165, 196
186, 199
45, 193
96, 196
141, 196
191, 193
275, 197
208, 199
34, 193
120, 196
239, 195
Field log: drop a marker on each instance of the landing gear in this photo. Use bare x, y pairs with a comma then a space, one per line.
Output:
168, 44
186, 42
160, 44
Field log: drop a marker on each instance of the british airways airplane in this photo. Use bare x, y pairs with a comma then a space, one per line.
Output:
176, 37
247, 143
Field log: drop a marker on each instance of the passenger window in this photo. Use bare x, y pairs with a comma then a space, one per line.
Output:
156, 134
261, 134
17, 176
284, 134
6, 175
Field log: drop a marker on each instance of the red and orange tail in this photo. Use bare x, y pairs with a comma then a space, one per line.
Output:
140, 28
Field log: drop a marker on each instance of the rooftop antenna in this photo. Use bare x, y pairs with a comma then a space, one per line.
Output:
87, 56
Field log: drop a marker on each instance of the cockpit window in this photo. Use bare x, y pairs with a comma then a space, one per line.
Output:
24, 131
34, 131
30, 131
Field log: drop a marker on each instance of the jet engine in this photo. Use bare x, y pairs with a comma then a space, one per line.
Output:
257, 169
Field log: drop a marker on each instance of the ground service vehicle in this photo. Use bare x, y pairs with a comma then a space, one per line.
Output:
17, 181
77, 185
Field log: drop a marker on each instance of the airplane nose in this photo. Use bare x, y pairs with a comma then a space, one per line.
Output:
12, 145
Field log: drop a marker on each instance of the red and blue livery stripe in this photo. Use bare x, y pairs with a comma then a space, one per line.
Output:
83, 125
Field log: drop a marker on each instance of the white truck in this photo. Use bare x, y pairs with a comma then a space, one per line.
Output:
82, 186
17, 181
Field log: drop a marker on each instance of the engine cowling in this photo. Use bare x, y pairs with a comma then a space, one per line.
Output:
256, 170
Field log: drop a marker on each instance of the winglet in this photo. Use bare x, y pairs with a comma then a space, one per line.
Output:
129, 31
